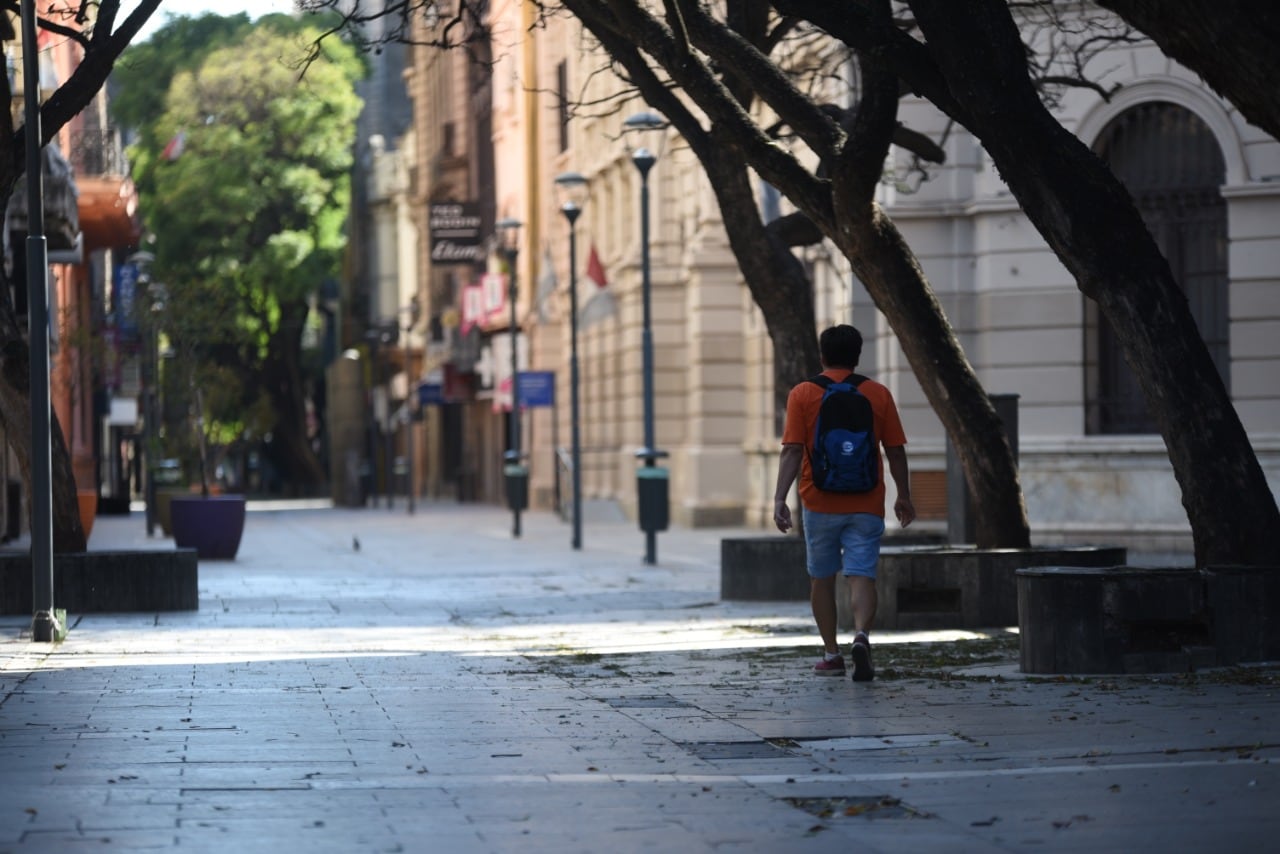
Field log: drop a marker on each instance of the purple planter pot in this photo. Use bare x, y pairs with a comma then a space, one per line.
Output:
212, 526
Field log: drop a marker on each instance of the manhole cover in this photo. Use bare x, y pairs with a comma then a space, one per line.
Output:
734, 750
872, 806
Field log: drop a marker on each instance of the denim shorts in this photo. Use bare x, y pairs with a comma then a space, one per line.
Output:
848, 542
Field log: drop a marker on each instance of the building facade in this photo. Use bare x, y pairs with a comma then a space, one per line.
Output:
375, 322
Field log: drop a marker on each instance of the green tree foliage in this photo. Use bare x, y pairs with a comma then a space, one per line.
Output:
141, 79
248, 218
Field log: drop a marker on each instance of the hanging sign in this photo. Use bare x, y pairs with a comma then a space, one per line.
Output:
455, 232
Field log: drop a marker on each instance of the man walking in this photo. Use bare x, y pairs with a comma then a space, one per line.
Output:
844, 521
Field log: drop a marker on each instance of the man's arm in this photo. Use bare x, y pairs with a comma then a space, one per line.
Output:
898, 469
788, 470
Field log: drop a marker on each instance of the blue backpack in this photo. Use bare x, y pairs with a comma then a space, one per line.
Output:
844, 456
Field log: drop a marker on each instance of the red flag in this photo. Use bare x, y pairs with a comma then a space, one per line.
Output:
173, 150
595, 270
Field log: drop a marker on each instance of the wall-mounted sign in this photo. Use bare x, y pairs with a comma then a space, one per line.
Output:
430, 394
494, 293
455, 232
473, 311
537, 388
126, 296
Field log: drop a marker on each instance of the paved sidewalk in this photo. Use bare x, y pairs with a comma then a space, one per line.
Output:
447, 689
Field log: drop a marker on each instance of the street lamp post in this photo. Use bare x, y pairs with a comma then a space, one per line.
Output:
573, 186
45, 624
379, 424
151, 410
651, 481
514, 471
414, 310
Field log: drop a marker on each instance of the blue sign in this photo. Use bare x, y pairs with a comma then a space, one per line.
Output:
126, 297
430, 394
537, 388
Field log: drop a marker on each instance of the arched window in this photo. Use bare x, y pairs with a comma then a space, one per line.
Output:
1172, 166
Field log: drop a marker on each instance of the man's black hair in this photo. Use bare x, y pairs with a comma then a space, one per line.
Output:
840, 346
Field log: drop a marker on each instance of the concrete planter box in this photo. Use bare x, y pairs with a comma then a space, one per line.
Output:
763, 569
919, 586
1244, 612
950, 587
1086, 620
772, 568
106, 582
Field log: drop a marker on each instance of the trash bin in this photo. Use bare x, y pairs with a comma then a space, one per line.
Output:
652, 489
517, 482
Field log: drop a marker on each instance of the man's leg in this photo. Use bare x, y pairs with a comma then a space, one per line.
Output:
822, 556
863, 594
864, 614
822, 598
861, 554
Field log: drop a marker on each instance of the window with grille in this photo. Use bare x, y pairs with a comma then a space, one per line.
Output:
1170, 162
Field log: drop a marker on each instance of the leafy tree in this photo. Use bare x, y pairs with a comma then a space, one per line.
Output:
141, 79
248, 219
103, 38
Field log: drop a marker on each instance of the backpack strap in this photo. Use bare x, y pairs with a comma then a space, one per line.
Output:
821, 380
825, 381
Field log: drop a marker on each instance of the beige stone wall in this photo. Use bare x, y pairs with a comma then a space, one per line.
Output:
1255, 304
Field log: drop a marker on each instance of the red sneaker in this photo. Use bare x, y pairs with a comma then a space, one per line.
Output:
830, 667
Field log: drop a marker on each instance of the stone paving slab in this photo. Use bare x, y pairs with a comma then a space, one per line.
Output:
445, 688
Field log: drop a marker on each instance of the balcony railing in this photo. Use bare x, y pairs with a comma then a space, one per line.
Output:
98, 152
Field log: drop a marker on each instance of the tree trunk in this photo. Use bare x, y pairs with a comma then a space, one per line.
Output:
895, 281
283, 379
15, 417
1092, 224
774, 276
885, 264
1230, 43
776, 279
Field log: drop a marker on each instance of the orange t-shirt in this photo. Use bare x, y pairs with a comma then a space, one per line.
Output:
802, 419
